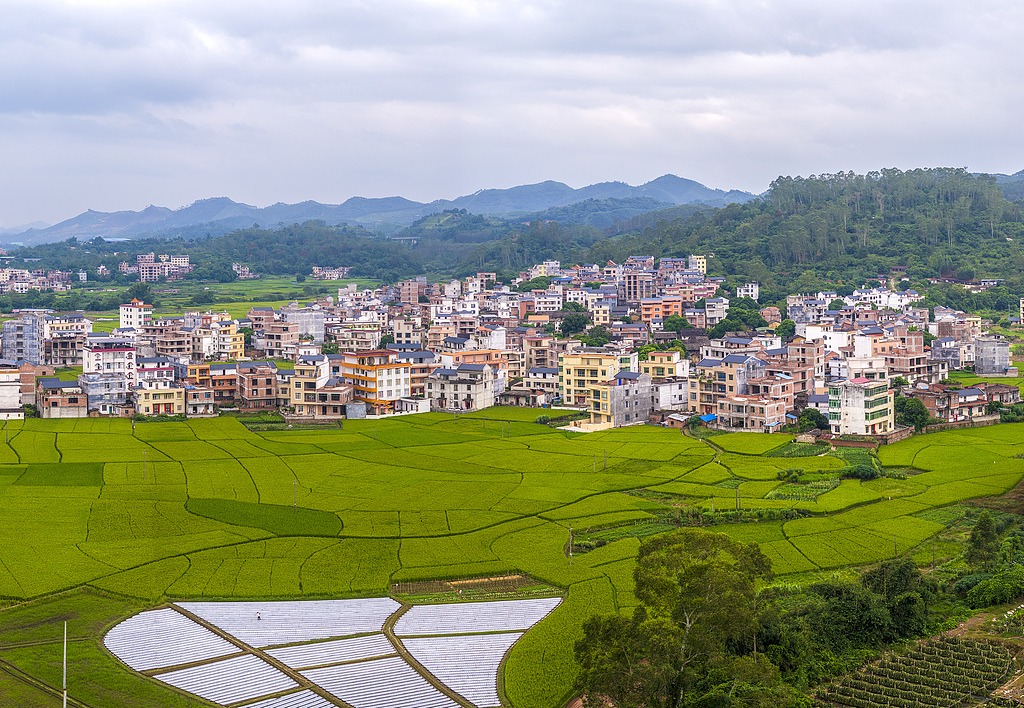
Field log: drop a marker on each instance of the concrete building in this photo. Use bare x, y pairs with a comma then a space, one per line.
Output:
107, 392
716, 309
10, 394
751, 412
861, 406
109, 356
624, 399
199, 402
670, 394
992, 357
257, 385
751, 290
156, 397
378, 378
309, 321
60, 399
22, 338
468, 387
578, 371
136, 314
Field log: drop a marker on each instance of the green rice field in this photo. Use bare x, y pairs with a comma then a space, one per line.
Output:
100, 521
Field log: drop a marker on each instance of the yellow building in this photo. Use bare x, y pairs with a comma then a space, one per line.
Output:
229, 342
578, 371
666, 365
159, 398
602, 315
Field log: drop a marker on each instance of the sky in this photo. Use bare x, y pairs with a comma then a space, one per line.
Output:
114, 105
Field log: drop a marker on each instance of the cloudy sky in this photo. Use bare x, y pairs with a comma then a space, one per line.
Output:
118, 104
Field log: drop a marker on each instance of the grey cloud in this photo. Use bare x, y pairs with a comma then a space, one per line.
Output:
168, 101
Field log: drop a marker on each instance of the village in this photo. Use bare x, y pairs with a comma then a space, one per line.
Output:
620, 344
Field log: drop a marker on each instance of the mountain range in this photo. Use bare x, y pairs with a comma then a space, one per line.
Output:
384, 215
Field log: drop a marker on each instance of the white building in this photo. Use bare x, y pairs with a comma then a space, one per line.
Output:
136, 314
110, 356
861, 406
716, 309
10, 395
469, 387
751, 290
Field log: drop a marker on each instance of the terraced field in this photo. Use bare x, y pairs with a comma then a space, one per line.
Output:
210, 510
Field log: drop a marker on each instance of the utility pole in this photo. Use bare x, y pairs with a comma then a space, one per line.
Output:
295, 494
65, 672
570, 546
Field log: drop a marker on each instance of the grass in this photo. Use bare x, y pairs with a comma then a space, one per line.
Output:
211, 509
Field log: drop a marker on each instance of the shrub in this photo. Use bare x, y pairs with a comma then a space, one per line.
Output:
862, 472
1004, 586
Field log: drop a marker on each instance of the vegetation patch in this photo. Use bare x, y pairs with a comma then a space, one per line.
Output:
278, 520
72, 474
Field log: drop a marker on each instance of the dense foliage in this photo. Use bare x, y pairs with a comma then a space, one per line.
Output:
833, 231
703, 635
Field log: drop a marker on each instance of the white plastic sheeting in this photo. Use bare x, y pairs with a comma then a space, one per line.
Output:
302, 699
382, 683
335, 652
263, 624
468, 664
230, 681
475, 617
161, 638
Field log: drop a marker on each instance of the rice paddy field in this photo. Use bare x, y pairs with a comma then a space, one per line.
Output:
102, 521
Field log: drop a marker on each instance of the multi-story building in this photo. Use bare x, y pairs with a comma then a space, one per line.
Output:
378, 378
157, 368
110, 356
421, 363
63, 349
106, 392
638, 285
22, 338
199, 401
716, 309
278, 340
308, 321
317, 394
60, 399
751, 290
992, 357
257, 385
624, 399
666, 364
751, 412
159, 397
580, 370
136, 314
861, 406
10, 393
950, 404
468, 387
714, 379
670, 394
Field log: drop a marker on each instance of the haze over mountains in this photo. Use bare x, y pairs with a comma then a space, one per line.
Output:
221, 215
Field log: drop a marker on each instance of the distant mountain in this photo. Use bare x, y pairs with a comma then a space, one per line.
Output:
22, 227
386, 215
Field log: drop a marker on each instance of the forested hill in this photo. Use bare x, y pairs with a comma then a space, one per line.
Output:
825, 231
848, 227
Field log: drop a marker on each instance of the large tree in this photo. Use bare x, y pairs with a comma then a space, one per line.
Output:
697, 621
